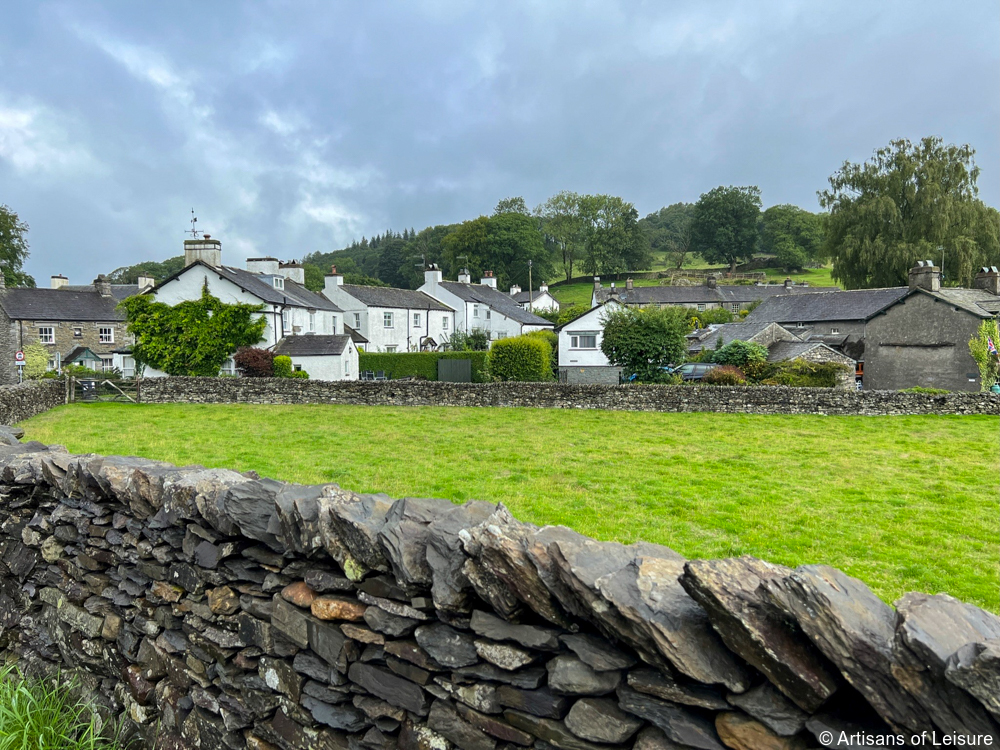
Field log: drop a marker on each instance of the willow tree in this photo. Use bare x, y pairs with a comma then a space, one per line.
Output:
909, 202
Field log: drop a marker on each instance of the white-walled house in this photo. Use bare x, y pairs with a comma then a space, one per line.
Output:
482, 306
580, 357
290, 310
539, 299
323, 357
392, 320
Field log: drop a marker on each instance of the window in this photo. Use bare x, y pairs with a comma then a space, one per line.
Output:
488, 311
834, 330
800, 325
701, 307
279, 282
286, 320
46, 335
735, 307
106, 335
416, 320
312, 321
475, 311
107, 364
444, 323
387, 320
391, 348
357, 320
297, 368
77, 332
583, 340
229, 367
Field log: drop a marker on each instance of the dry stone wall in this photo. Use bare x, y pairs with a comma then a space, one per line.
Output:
215, 609
23, 401
662, 398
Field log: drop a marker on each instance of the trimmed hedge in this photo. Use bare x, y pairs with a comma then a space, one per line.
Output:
521, 358
419, 364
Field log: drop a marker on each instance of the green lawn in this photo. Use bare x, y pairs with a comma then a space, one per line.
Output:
904, 503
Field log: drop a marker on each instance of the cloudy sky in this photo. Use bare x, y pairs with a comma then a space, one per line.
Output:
292, 127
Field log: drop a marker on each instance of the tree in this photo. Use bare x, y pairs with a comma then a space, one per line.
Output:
614, 241
13, 248
503, 243
511, 205
792, 234
36, 361
152, 268
669, 231
563, 228
642, 341
988, 361
724, 225
909, 202
391, 260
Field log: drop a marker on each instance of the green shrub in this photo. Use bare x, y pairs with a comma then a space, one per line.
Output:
705, 318
929, 391
79, 371
419, 364
521, 358
282, 366
36, 361
725, 375
476, 340
740, 353
552, 339
299, 374
802, 374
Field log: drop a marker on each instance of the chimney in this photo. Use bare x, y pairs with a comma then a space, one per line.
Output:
543, 288
432, 275
925, 275
3, 282
711, 281
464, 277
294, 271
266, 265
597, 283
515, 289
788, 283
613, 293
206, 250
146, 282
102, 285
988, 279
333, 280
59, 281
628, 285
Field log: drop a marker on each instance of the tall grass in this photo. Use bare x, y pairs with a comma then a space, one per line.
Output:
40, 714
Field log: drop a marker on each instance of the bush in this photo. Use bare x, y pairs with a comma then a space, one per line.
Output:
252, 362
282, 366
740, 353
36, 361
525, 358
299, 374
705, 318
419, 364
725, 375
929, 391
802, 374
476, 340
552, 339
644, 341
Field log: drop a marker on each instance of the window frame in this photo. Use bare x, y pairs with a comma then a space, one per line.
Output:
701, 307
357, 321
391, 348
735, 307
416, 320
475, 311
312, 321
444, 323
278, 282
51, 335
110, 339
286, 320
388, 319
575, 340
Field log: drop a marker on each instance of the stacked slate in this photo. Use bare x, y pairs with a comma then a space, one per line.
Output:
213, 609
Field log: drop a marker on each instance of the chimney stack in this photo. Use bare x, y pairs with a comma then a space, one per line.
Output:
464, 277
102, 285
332, 282
788, 283
711, 281
925, 275
432, 275
266, 265
514, 290
988, 279
489, 280
597, 283
206, 250
543, 288
146, 282
59, 281
294, 271
628, 285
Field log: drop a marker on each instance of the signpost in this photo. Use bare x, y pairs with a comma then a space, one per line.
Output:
19, 361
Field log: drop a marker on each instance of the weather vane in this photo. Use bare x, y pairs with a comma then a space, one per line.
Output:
193, 231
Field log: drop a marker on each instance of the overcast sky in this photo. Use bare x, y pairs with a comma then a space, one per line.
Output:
295, 127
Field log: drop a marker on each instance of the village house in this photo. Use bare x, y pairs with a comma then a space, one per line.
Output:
77, 324
781, 344
481, 306
539, 299
392, 320
580, 357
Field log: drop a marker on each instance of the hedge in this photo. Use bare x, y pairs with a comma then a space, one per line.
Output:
419, 364
521, 358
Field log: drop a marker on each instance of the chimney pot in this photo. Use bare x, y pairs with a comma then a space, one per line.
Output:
628, 284
788, 283
925, 275
988, 279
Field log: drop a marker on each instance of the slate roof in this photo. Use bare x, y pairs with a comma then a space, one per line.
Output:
979, 302
77, 352
502, 303
688, 295
59, 304
312, 346
858, 304
381, 296
355, 335
782, 351
118, 291
522, 298
730, 332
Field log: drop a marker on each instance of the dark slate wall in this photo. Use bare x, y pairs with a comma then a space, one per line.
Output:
219, 610
20, 402
665, 398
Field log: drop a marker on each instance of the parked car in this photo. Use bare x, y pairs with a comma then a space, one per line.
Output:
694, 370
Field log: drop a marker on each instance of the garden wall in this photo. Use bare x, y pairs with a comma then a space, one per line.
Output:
751, 400
20, 402
219, 610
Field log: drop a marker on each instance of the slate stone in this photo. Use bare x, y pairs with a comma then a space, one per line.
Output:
444, 719
492, 589
600, 720
390, 688
263, 556
652, 738
322, 581
597, 653
389, 624
683, 725
312, 666
329, 643
771, 708
408, 670
354, 522
410, 651
740, 732
526, 679
395, 608
529, 636
929, 629
362, 635
403, 537
223, 600
663, 685
570, 676
347, 718
384, 587
502, 655
447, 646
253, 631
325, 693
976, 668
279, 675
494, 726
854, 629
375, 708
552, 732
445, 557
541, 702
480, 697
296, 510
299, 593
419, 737
741, 611
291, 621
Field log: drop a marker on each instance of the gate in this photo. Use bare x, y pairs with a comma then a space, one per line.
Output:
455, 370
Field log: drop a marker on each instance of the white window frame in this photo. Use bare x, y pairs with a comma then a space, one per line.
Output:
416, 320
388, 320
489, 312
46, 338
312, 321
701, 307
475, 311
576, 340
286, 320
357, 321
444, 323
834, 330
107, 364
735, 307
278, 282
77, 332
391, 349
106, 338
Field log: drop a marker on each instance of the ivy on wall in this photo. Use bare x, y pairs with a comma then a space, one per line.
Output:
194, 337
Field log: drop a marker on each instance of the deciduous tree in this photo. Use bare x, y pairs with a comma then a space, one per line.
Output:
669, 231
644, 341
614, 241
13, 248
564, 228
792, 234
724, 225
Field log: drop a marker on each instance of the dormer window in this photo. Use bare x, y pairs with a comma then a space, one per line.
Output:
278, 281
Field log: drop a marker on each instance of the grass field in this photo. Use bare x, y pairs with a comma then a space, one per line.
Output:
904, 503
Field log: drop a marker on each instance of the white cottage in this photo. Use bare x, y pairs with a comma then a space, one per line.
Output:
539, 299
392, 320
481, 306
323, 357
580, 357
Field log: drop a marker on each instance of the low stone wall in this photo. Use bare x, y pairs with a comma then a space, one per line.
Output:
219, 610
23, 401
664, 398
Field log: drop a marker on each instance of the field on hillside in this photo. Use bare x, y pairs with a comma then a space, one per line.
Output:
904, 503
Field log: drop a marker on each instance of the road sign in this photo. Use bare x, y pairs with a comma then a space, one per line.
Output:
19, 356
